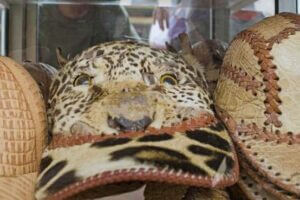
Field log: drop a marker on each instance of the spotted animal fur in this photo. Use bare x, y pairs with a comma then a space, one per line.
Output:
118, 71
120, 92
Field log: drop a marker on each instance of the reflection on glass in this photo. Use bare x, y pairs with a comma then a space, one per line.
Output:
244, 17
78, 24
188, 16
77, 27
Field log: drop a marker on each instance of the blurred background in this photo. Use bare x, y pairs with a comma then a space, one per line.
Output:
32, 29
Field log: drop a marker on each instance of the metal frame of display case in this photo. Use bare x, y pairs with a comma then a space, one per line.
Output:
287, 6
3, 35
22, 31
221, 18
23, 15
3, 27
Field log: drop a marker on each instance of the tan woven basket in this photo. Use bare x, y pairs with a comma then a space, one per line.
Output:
22, 131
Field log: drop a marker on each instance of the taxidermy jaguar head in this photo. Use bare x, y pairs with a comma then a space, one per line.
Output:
124, 86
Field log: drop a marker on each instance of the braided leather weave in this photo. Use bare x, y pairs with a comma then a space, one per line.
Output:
258, 98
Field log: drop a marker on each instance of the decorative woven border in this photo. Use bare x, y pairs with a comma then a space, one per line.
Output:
265, 183
258, 133
242, 78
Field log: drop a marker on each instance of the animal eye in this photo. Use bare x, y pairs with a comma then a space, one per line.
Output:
168, 78
83, 79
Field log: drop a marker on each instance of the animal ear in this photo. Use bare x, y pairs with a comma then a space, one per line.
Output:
60, 58
170, 48
187, 54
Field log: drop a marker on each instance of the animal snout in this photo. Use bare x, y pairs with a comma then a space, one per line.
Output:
124, 124
130, 111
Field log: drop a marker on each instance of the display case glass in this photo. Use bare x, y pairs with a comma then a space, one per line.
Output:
37, 27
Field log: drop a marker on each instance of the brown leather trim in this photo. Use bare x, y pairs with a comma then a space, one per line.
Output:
265, 183
62, 140
262, 48
242, 78
258, 133
272, 177
268, 70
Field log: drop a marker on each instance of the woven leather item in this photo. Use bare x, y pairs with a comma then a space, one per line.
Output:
22, 131
18, 187
261, 184
252, 190
258, 97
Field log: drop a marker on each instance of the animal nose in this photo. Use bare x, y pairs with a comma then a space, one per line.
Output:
123, 124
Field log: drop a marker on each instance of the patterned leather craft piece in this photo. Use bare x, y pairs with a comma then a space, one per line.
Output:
22, 131
85, 162
252, 190
194, 151
258, 95
269, 189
